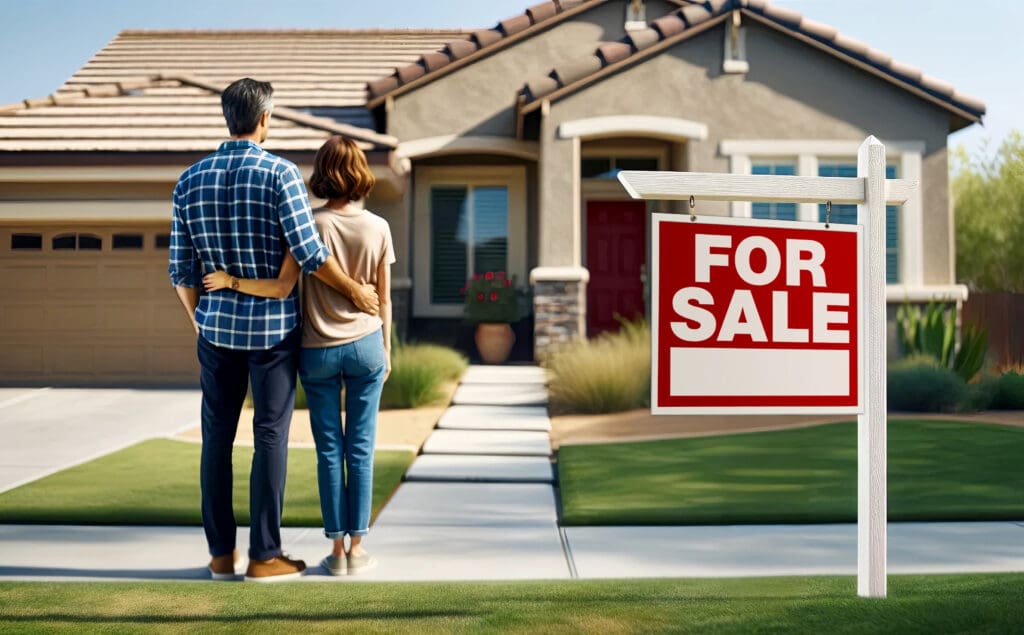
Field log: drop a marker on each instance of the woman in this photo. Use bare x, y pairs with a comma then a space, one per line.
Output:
340, 346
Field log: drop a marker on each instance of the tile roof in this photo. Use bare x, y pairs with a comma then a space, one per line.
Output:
699, 16
307, 67
162, 113
453, 53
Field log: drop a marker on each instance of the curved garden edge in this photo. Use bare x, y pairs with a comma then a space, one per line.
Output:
641, 425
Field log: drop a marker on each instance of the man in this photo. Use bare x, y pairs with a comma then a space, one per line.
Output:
239, 210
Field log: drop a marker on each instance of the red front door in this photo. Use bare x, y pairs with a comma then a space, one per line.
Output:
616, 255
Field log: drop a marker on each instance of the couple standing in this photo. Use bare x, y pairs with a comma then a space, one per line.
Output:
242, 217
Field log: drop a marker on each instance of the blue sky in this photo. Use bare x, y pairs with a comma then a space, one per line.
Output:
975, 44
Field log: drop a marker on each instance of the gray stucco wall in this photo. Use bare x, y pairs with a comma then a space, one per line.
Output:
792, 91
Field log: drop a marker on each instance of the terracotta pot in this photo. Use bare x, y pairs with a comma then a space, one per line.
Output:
494, 341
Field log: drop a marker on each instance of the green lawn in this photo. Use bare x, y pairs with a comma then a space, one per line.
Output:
937, 471
157, 483
916, 604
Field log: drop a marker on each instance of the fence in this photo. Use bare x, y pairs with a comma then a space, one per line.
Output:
1002, 315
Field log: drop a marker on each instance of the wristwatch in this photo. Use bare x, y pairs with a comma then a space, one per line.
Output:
234, 283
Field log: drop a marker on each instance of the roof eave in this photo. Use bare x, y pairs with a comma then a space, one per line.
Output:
482, 53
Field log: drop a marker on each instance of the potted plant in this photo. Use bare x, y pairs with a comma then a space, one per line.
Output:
492, 304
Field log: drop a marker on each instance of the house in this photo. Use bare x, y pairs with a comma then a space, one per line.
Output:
494, 150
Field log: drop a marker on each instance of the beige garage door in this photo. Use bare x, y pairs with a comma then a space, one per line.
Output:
91, 305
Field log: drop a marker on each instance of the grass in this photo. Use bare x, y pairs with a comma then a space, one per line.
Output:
157, 483
937, 471
976, 603
610, 373
418, 372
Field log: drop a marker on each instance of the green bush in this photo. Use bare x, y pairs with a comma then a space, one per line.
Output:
610, 373
417, 373
919, 384
1009, 392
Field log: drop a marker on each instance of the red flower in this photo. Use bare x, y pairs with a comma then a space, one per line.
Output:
508, 283
476, 276
488, 276
463, 290
501, 274
494, 296
480, 297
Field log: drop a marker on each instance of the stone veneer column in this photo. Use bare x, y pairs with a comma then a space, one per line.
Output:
559, 307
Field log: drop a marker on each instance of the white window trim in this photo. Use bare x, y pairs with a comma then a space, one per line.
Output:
513, 177
807, 154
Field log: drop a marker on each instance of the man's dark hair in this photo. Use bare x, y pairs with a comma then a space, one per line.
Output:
244, 102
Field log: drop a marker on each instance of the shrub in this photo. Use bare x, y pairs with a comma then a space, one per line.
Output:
919, 384
417, 374
610, 373
1009, 391
491, 297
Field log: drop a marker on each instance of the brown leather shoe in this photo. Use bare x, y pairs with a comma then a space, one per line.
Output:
279, 568
223, 567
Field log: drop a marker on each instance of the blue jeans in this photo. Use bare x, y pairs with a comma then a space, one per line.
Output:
344, 456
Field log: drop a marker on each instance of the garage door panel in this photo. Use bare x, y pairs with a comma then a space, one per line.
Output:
122, 359
24, 359
125, 318
73, 360
124, 277
22, 317
78, 318
171, 320
25, 277
175, 356
82, 276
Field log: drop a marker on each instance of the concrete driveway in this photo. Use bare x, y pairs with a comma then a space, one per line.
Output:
45, 430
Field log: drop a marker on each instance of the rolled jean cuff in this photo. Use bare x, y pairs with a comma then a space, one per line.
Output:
335, 535
359, 532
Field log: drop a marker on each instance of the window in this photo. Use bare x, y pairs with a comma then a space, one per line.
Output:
82, 242
163, 241
469, 235
847, 214
467, 219
32, 242
127, 241
609, 167
774, 211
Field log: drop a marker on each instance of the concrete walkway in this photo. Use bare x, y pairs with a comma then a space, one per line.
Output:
479, 503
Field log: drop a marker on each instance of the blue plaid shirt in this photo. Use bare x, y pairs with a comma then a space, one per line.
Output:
237, 210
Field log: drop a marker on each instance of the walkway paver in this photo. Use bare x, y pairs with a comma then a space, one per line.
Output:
488, 442
532, 394
461, 467
496, 418
504, 375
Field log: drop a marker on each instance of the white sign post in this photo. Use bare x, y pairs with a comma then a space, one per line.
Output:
871, 192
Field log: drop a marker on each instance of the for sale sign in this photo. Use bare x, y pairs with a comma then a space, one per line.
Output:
755, 316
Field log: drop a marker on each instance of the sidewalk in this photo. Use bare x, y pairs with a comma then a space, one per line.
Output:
479, 503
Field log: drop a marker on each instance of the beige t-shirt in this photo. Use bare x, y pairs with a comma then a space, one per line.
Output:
359, 240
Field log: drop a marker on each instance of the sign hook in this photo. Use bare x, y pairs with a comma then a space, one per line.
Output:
828, 213
693, 204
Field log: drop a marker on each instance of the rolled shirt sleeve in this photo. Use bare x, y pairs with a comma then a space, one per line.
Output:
184, 267
297, 222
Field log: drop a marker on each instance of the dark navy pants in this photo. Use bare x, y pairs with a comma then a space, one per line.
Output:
225, 374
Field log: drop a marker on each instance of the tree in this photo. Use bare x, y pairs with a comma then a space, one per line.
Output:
988, 195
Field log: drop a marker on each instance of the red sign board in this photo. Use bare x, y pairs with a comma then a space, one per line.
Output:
755, 316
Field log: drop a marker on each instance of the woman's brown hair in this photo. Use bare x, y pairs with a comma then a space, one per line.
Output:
340, 170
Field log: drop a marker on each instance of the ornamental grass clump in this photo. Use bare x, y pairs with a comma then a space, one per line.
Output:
609, 373
491, 297
418, 373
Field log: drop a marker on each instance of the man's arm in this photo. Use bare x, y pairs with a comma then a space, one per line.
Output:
189, 297
364, 296
183, 265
